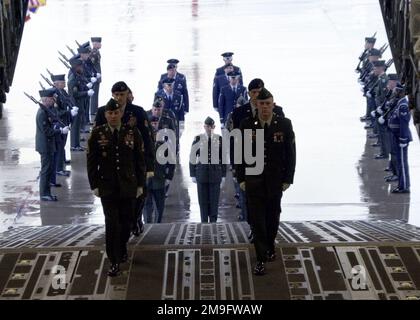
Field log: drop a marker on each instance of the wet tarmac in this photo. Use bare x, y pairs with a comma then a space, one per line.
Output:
305, 51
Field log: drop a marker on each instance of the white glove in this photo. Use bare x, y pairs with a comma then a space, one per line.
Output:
286, 186
403, 145
368, 95
91, 92
150, 174
65, 130
193, 179
381, 120
89, 85
93, 79
96, 192
75, 108
242, 186
98, 76
222, 183
373, 113
379, 110
74, 112
139, 192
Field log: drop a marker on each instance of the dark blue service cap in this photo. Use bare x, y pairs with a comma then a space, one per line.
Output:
112, 105
173, 61
209, 121
83, 50
168, 81
75, 61
393, 77
58, 77
171, 66
47, 93
96, 39
233, 74
227, 54
375, 52
370, 40
379, 63
119, 86
85, 45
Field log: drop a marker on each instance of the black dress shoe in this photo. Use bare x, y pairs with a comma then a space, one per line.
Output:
398, 190
379, 156
376, 144
259, 269
57, 185
391, 178
67, 161
387, 169
271, 256
138, 229
63, 173
49, 198
114, 270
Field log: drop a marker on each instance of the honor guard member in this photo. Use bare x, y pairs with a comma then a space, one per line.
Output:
380, 93
116, 171
172, 98
366, 78
66, 111
134, 116
90, 74
81, 93
164, 172
398, 124
220, 82
95, 58
264, 190
363, 58
208, 172
229, 95
45, 143
180, 83
227, 58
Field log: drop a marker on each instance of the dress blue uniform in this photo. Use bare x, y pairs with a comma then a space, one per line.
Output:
227, 56
227, 99
398, 124
208, 175
180, 84
173, 102
219, 82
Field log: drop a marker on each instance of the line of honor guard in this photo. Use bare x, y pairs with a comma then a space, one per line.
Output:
387, 113
124, 149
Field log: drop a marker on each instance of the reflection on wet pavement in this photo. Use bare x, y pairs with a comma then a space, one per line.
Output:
305, 51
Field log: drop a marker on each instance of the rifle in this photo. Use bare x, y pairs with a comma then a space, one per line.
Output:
65, 63
387, 65
48, 111
47, 80
42, 87
63, 56
363, 55
78, 44
383, 48
49, 72
71, 50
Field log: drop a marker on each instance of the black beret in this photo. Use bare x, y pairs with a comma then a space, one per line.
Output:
168, 81
227, 54
393, 77
370, 40
264, 94
112, 105
83, 50
173, 61
209, 121
255, 84
47, 93
96, 39
119, 86
171, 66
379, 63
375, 52
58, 77
85, 45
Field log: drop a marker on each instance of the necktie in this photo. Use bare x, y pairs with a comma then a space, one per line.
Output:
266, 129
115, 137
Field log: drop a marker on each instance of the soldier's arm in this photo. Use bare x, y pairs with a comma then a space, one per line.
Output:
215, 94
222, 106
46, 126
222, 158
75, 92
193, 158
143, 125
290, 153
186, 96
100, 117
404, 115
92, 161
139, 158
240, 168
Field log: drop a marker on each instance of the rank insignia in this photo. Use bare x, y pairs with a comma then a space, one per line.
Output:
278, 137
